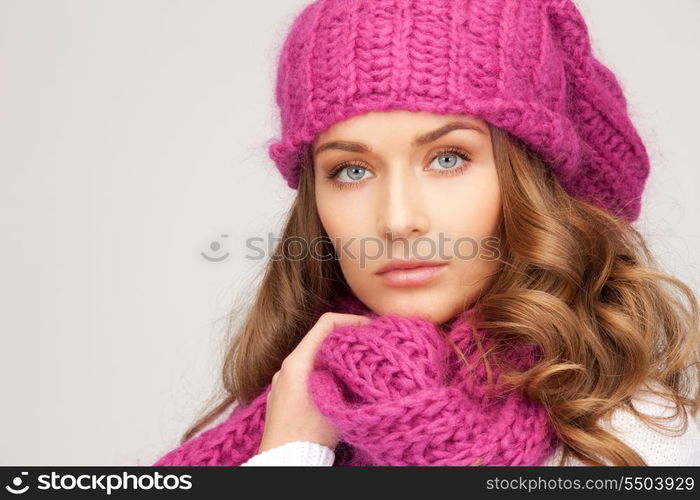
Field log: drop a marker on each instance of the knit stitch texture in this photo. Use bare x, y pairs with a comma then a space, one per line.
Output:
399, 395
525, 66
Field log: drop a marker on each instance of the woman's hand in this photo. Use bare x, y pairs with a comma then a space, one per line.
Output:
290, 414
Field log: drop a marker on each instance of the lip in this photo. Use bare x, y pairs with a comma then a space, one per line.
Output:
411, 273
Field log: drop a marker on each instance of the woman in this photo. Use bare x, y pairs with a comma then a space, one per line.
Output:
488, 123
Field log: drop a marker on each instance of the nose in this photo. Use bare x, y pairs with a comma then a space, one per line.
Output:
401, 209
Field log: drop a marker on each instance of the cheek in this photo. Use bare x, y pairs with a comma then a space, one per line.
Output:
470, 220
348, 223
343, 216
471, 209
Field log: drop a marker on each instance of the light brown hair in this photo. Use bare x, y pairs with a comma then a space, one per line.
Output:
574, 280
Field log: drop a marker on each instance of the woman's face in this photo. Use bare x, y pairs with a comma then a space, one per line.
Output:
403, 185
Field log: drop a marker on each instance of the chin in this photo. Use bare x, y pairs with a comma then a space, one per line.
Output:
432, 315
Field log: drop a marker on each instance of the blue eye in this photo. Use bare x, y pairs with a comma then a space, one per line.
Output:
449, 160
353, 173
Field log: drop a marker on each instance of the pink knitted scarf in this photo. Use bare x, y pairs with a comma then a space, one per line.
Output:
399, 395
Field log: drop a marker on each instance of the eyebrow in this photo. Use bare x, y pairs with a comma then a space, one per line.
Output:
421, 140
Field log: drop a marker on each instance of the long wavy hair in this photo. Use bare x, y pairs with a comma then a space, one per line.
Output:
574, 280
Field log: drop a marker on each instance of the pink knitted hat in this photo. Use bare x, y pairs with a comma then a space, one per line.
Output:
525, 66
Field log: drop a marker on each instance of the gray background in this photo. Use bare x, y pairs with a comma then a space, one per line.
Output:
132, 136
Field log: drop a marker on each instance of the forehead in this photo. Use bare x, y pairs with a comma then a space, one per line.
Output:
396, 121
375, 131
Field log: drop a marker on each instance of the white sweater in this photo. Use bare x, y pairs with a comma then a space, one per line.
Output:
655, 447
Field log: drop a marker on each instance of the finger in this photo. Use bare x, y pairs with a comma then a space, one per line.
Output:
330, 322
306, 349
